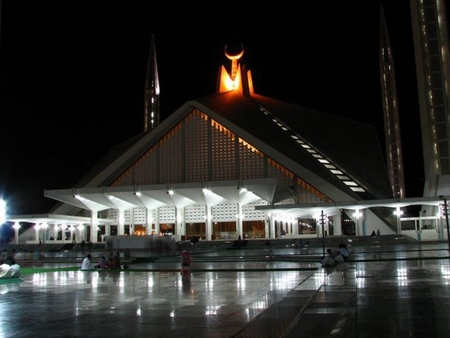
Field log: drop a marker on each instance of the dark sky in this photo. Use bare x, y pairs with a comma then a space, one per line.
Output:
72, 75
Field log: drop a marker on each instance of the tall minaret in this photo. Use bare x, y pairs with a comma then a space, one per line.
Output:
151, 104
391, 117
431, 49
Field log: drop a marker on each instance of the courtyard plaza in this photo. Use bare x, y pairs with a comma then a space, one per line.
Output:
392, 286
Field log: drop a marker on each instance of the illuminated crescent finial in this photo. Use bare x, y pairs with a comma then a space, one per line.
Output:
234, 58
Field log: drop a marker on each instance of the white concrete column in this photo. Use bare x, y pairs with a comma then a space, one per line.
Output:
178, 220
121, 222
209, 227
398, 214
295, 226
272, 227
337, 225
107, 230
357, 215
37, 229
16, 227
81, 233
239, 221
72, 233
157, 224
148, 221
132, 225
94, 224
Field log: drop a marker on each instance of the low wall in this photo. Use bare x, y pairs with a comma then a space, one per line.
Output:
140, 242
425, 235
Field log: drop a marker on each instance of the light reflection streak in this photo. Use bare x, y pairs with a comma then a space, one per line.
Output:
241, 283
445, 270
209, 285
402, 276
212, 310
320, 278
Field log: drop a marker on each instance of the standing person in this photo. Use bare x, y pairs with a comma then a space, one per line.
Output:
127, 254
87, 265
378, 233
116, 261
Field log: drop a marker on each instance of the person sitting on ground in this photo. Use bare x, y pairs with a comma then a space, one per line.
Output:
328, 260
87, 265
5, 271
102, 263
15, 269
343, 251
373, 234
9, 271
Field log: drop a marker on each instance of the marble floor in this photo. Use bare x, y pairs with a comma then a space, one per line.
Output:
390, 291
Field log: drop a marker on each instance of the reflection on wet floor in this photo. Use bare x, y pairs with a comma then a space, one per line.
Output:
403, 292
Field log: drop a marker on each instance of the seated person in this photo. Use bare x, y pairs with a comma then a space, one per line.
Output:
15, 268
102, 263
343, 251
328, 260
339, 258
5, 271
10, 271
87, 265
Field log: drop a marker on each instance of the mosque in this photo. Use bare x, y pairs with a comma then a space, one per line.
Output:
237, 164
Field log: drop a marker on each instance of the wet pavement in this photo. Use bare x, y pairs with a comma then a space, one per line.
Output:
387, 289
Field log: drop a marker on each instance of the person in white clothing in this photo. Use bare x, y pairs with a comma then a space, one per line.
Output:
10, 271
15, 269
87, 265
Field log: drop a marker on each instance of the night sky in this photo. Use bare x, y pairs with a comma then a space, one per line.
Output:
72, 75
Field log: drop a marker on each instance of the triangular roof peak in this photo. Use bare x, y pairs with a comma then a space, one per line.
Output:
238, 79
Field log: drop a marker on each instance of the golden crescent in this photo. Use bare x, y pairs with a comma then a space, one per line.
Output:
234, 57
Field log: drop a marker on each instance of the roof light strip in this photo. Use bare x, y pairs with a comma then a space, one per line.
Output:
325, 162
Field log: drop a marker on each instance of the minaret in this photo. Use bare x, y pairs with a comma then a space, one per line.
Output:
151, 104
390, 110
431, 49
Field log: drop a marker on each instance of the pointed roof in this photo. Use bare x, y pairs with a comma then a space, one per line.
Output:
339, 157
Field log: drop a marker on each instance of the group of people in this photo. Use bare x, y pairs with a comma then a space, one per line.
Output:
113, 262
10, 270
376, 234
334, 257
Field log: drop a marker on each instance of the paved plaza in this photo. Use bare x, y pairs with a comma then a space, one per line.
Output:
388, 289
